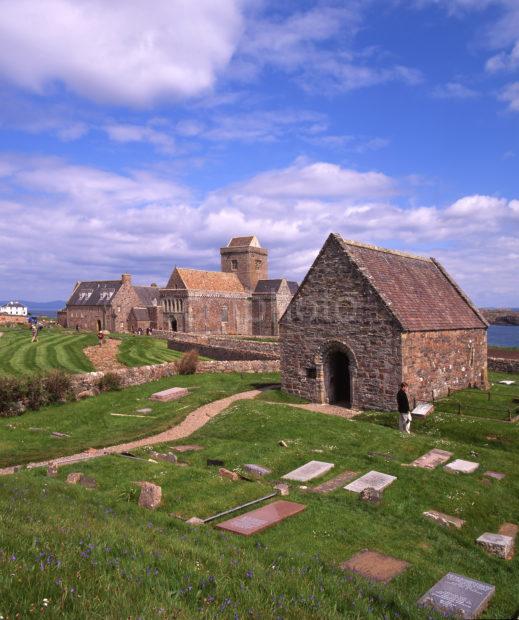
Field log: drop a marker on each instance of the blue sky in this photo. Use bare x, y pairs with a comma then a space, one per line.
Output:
135, 138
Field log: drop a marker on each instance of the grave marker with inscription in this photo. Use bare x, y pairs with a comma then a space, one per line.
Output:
309, 471
459, 466
422, 410
334, 483
456, 595
373, 479
432, 459
262, 518
374, 565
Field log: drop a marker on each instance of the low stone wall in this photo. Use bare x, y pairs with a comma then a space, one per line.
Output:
224, 348
6, 319
500, 364
145, 374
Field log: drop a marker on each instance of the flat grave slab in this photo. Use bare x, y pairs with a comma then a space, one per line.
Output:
509, 529
497, 544
375, 566
494, 474
456, 595
257, 471
372, 480
443, 519
170, 394
432, 459
261, 518
309, 471
187, 448
506, 382
334, 483
422, 410
145, 410
459, 466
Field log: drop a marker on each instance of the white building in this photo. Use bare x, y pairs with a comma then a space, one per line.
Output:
14, 308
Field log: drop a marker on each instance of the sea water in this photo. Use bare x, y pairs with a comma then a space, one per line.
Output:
503, 335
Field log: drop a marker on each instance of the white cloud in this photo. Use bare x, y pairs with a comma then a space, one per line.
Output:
454, 90
510, 94
122, 51
121, 132
62, 222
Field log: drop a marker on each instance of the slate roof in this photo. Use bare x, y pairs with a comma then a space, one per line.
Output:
195, 279
244, 241
268, 286
96, 293
141, 314
293, 286
13, 304
418, 290
148, 295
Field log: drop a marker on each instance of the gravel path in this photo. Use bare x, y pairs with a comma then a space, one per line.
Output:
195, 420
104, 357
341, 412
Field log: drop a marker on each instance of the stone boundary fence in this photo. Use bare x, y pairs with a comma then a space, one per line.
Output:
500, 364
224, 348
144, 374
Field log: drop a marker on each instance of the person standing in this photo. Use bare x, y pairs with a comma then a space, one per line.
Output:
100, 337
402, 399
34, 331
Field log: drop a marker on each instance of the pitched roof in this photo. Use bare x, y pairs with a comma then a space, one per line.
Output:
148, 295
95, 293
417, 290
13, 304
244, 241
268, 286
195, 279
293, 286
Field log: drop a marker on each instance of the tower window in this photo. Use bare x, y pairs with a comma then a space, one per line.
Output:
258, 265
234, 265
225, 314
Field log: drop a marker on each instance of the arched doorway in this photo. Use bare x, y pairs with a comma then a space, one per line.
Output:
99, 325
338, 375
174, 325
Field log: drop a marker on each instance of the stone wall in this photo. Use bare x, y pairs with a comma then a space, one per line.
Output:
434, 362
335, 310
225, 349
218, 313
145, 374
499, 364
12, 320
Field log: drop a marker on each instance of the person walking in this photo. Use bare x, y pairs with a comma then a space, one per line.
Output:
34, 331
100, 337
404, 409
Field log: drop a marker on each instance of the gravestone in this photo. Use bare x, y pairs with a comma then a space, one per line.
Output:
494, 474
283, 489
52, 470
59, 435
256, 470
507, 382
261, 518
497, 544
375, 566
456, 595
145, 410
432, 459
443, 519
309, 471
159, 456
195, 521
371, 496
151, 495
215, 463
74, 478
165, 396
373, 479
334, 483
190, 448
422, 410
459, 466
227, 473
509, 529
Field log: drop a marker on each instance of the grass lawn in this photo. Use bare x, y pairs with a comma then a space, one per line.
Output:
96, 554
497, 403
89, 423
56, 348
144, 350
59, 348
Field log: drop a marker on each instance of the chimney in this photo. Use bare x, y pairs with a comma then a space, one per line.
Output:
126, 278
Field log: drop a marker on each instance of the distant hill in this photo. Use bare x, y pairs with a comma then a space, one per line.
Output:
501, 316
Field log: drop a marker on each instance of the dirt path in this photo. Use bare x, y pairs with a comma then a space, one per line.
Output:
104, 357
341, 412
195, 420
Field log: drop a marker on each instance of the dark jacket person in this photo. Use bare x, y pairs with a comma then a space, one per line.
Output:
402, 399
